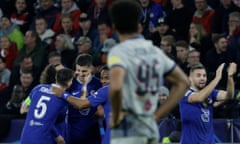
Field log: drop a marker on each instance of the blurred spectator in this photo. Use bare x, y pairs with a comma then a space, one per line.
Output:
12, 107
8, 50
22, 16
65, 48
104, 32
179, 10
26, 81
34, 48
48, 11
67, 26
98, 12
7, 28
84, 45
108, 44
68, 7
54, 58
163, 96
217, 55
167, 45
4, 74
182, 53
45, 34
199, 39
203, 14
234, 36
192, 59
162, 29
151, 12
26, 64
86, 28
220, 18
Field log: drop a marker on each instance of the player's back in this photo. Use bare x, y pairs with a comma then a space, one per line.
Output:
41, 117
144, 65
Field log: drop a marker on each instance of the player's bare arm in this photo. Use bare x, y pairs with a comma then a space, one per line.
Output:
180, 84
117, 75
76, 102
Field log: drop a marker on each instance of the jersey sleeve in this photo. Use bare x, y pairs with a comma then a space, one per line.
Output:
214, 94
168, 63
187, 94
99, 97
34, 90
116, 58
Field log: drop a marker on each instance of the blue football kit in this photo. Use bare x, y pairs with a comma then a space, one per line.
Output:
197, 120
43, 112
101, 97
83, 126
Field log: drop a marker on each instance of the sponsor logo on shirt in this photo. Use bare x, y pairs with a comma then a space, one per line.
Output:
75, 93
35, 123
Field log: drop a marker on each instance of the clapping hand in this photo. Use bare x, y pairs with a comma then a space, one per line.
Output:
219, 71
232, 69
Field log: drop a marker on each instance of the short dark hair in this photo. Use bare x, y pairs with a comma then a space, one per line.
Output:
64, 75
48, 74
181, 43
27, 71
84, 60
217, 37
53, 54
196, 67
125, 15
105, 68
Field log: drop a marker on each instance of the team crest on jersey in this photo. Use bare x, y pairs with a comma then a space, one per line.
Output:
92, 92
205, 116
84, 111
151, 15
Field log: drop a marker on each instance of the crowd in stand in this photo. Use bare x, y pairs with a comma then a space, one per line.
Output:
35, 33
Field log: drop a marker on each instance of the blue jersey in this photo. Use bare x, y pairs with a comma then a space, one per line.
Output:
101, 97
83, 127
197, 120
39, 126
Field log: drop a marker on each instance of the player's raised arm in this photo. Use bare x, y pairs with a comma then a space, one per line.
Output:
229, 93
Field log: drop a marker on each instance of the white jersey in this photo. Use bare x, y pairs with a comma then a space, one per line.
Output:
145, 66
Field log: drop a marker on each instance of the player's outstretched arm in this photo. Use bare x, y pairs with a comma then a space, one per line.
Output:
78, 103
180, 84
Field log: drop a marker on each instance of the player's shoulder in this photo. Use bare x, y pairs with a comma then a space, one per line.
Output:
95, 81
39, 86
104, 88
